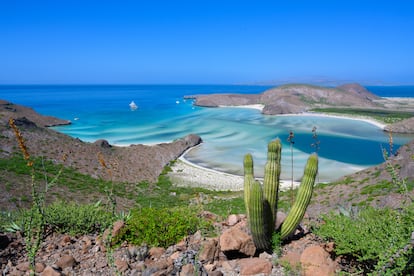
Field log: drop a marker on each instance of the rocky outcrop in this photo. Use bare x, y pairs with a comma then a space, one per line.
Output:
10, 110
215, 100
296, 98
61, 254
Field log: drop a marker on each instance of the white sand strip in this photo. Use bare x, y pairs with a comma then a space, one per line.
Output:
186, 174
251, 106
321, 114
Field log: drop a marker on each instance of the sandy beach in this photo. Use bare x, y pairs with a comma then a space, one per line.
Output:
187, 174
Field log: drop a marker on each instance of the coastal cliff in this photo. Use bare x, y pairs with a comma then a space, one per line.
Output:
131, 164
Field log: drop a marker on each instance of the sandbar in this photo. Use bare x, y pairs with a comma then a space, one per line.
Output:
187, 174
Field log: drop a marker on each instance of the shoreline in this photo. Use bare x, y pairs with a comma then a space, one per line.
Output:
189, 174
186, 173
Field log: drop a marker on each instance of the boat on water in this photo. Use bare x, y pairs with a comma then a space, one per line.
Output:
133, 105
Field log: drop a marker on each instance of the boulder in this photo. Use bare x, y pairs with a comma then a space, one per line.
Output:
235, 240
316, 261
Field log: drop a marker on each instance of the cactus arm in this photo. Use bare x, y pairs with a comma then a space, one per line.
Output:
303, 198
258, 210
248, 179
272, 175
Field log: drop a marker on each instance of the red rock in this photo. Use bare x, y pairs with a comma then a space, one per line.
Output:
316, 261
209, 251
116, 229
65, 240
50, 271
232, 220
187, 270
329, 247
235, 239
66, 261
253, 266
156, 252
39, 267
121, 265
293, 258
25, 266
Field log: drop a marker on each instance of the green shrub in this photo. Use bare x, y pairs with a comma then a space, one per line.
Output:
376, 238
161, 226
74, 219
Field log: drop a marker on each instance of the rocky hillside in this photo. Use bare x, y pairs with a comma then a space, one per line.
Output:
373, 186
131, 164
296, 98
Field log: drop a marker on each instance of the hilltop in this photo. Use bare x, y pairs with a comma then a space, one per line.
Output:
299, 98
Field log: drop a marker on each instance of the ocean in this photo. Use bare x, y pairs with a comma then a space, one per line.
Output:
103, 112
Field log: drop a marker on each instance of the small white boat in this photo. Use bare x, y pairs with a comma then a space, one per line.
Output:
133, 106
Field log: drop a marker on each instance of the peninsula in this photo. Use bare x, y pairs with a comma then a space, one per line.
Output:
300, 98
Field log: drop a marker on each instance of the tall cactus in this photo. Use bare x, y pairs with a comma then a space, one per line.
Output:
272, 176
260, 217
248, 179
261, 202
302, 199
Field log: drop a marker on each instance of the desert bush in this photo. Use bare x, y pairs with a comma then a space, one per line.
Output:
378, 239
74, 219
162, 226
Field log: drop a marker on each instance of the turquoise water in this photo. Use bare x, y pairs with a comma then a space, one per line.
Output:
102, 112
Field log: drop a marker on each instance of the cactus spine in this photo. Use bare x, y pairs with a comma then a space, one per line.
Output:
261, 203
302, 199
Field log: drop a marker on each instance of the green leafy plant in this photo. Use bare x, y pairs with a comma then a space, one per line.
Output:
76, 219
262, 201
161, 226
376, 238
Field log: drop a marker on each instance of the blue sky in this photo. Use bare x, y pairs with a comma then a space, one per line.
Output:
206, 41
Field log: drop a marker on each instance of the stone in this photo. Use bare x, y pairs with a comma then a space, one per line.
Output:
253, 266
65, 240
316, 261
25, 266
121, 265
187, 270
293, 258
232, 220
39, 267
329, 247
280, 218
235, 239
209, 251
50, 271
66, 261
215, 273
156, 252
265, 256
116, 229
